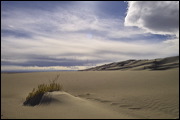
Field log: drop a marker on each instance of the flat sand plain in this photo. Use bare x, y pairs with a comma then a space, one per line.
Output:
94, 94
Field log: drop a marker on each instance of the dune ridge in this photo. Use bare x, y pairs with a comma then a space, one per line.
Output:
154, 64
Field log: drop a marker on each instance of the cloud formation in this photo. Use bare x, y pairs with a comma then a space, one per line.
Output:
73, 38
157, 17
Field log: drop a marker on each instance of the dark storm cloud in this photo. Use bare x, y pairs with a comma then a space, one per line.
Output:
158, 17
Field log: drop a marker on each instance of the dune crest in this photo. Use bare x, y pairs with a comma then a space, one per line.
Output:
58, 97
154, 64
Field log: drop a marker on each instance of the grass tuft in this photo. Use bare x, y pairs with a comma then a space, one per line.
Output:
35, 96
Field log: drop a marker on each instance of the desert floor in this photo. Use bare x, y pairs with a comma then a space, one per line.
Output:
94, 94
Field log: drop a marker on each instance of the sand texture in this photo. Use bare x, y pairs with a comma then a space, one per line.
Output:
94, 94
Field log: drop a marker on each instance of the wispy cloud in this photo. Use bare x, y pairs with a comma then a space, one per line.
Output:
73, 37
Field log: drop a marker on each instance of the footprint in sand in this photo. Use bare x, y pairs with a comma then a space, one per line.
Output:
130, 107
104, 101
125, 105
96, 99
100, 100
114, 103
88, 94
84, 95
135, 108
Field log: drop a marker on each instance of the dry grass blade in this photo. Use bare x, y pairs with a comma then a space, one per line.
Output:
35, 96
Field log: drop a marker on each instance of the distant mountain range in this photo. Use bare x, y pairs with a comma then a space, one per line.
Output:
154, 64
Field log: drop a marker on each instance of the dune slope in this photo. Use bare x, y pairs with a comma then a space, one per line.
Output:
154, 64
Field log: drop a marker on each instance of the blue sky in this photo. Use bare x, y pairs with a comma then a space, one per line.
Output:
72, 35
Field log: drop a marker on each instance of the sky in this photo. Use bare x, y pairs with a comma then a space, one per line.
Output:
74, 35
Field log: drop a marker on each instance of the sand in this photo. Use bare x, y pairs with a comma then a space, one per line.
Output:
94, 94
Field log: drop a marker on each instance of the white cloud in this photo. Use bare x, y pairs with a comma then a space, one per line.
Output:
80, 47
36, 68
171, 45
71, 35
158, 17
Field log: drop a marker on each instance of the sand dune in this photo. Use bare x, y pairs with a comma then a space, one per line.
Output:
76, 107
154, 64
94, 94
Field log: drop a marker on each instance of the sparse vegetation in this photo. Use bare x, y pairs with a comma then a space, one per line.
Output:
35, 96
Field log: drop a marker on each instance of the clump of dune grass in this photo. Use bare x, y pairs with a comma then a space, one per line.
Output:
35, 96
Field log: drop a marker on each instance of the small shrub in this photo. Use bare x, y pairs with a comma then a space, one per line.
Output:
35, 96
